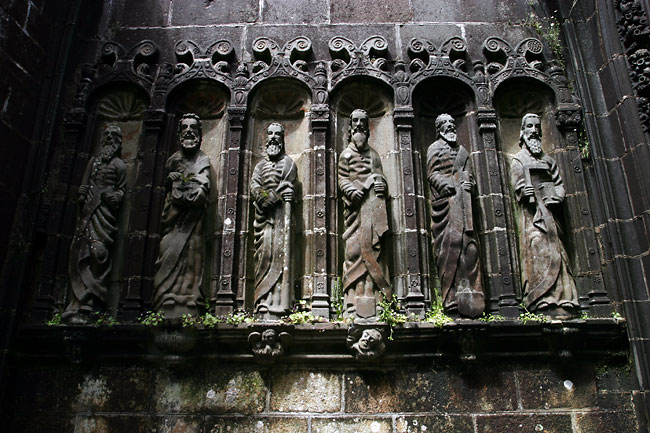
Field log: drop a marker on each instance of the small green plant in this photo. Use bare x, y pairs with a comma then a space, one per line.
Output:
105, 319
207, 320
55, 320
527, 316
548, 28
238, 317
436, 315
300, 314
487, 318
583, 144
584, 315
338, 302
616, 315
389, 313
151, 318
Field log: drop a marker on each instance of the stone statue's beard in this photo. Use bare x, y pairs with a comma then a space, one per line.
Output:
273, 149
108, 151
449, 136
534, 144
360, 137
190, 141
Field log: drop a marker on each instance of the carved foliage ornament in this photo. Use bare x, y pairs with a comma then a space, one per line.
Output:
370, 58
290, 60
194, 62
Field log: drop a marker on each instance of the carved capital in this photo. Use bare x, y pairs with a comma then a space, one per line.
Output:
487, 120
568, 118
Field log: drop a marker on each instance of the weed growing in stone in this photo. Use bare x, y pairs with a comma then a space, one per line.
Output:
55, 320
388, 312
238, 317
105, 319
151, 318
527, 316
300, 314
487, 318
437, 315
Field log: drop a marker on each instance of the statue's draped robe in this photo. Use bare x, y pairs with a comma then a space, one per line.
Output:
366, 222
545, 268
454, 243
90, 261
270, 178
179, 268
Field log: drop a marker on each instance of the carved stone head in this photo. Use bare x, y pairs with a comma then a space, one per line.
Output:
531, 133
190, 133
275, 140
111, 142
359, 131
370, 345
446, 127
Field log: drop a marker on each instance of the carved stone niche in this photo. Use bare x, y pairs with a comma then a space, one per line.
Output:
376, 99
456, 278
208, 100
120, 106
287, 102
553, 246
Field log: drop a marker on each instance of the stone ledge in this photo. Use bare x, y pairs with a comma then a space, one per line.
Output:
467, 340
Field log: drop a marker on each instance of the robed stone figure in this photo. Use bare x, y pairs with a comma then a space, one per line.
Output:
363, 190
272, 189
179, 267
100, 197
548, 285
449, 171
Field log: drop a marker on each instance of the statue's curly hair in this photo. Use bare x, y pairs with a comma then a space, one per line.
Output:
190, 116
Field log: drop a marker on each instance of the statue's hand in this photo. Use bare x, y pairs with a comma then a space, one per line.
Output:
287, 195
83, 192
356, 195
380, 188
466, 185
173, 176
111, 199
448, 190
528, 191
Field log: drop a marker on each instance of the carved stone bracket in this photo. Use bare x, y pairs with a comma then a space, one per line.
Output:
366, 343
193, 62
288, 61
268, 345
369, 58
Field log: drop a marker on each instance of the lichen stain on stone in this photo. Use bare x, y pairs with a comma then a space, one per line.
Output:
93, 392
233, 391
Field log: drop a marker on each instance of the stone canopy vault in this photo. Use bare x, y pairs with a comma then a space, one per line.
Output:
314, 209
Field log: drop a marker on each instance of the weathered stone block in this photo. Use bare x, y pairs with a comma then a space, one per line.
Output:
305, 391
209, 390
365, 11
524, 423
42, 424
596, 422
446, 423
450, 11
294, 11
211, 12
180, 424
568, 386
113, 424
51, 389
256, 424
115, 389
481, 389
351, 425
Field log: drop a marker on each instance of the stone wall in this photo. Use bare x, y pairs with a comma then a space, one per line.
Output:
565, 397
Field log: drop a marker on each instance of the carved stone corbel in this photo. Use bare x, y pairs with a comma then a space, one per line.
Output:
367, 344
268, 345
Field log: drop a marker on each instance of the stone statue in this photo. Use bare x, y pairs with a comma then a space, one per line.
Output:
449, 171
272, 189
100, 196
269, 345
363, 189
179, 268
548, 285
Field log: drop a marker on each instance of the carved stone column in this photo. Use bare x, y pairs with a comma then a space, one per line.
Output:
53, 275
492, 197
135, 293
409, 268
224, 295
586, 266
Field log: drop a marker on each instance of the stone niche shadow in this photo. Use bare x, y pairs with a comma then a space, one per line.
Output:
431, 98
376, 98
288, 102
122, 105
512, 100
207, 99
